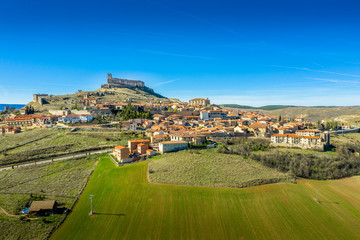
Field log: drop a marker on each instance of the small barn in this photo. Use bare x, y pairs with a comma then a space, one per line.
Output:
42, 207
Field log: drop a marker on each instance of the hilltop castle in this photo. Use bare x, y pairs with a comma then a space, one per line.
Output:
121, 83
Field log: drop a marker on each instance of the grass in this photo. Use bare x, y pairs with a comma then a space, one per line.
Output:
209, 168
342, 139
22, 147
128, 207
61, 181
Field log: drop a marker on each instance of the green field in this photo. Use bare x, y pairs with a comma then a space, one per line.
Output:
209, 168
126, 206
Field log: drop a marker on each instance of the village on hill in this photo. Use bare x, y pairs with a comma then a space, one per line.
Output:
170, 126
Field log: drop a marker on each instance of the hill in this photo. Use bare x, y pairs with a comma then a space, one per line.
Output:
349, 114
314, 113
267, 107
126, 206
141, 94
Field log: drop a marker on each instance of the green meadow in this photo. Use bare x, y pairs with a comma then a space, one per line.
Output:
126, 206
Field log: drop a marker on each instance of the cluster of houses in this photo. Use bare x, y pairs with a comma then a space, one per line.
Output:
194, 123
16, 122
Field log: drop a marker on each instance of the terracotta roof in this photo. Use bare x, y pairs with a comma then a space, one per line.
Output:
120, 147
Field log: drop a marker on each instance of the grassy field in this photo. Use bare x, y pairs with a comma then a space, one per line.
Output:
342, 139
45, 143
126, 206
59, 181
209, 168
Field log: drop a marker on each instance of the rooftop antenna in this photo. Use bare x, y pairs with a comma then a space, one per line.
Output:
91, 210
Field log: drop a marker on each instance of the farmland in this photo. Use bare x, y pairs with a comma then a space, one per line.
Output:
59, 181
46, 143
126, 206
209, 168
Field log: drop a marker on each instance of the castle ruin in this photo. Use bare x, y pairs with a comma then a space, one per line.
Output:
121, 83
39, 98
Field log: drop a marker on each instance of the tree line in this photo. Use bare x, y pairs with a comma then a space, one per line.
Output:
345, 163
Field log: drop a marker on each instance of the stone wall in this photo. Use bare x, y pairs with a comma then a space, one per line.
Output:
120, 83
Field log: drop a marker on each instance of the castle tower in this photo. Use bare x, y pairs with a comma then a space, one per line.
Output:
109, 76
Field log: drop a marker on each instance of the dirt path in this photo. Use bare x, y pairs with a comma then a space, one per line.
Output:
7, 214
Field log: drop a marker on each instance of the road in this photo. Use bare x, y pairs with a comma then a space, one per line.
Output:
353, 130
56, 159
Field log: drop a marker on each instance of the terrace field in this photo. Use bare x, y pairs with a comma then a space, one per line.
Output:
61, 181
47, 143
209, 168
126, 206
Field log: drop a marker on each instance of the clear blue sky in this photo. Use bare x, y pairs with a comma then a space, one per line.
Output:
254, 52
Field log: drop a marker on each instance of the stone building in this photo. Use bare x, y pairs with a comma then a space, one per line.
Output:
301, 141
121, 83
200, 101
39, 98
133, 144
172, 146
121, 153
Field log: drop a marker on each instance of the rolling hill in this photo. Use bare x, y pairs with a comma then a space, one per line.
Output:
144, 94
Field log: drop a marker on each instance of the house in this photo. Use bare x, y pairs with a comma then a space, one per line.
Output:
308, 132
90, 101
301, 141
241, 129
10, 130
299, 119
133, 144
199, 101
181, 137
75, 118
122, 154
150, 152
199, 139
159, 138
42, 207
172, 146
142, 148
326, 120
260, 129
28, 120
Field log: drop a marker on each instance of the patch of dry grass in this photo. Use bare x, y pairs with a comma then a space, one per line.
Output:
209, 168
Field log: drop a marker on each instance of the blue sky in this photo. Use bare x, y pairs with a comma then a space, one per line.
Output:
245, 52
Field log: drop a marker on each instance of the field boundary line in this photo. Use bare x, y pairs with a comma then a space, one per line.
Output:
74, 203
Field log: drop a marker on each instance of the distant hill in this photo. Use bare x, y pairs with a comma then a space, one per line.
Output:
267, 107
349, 114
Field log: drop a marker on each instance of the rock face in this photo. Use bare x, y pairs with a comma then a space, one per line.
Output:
121, 83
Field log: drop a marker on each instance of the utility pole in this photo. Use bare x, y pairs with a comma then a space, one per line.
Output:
91, 210
317, 196
214, 169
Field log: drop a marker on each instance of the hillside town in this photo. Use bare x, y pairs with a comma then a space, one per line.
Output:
173, 126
